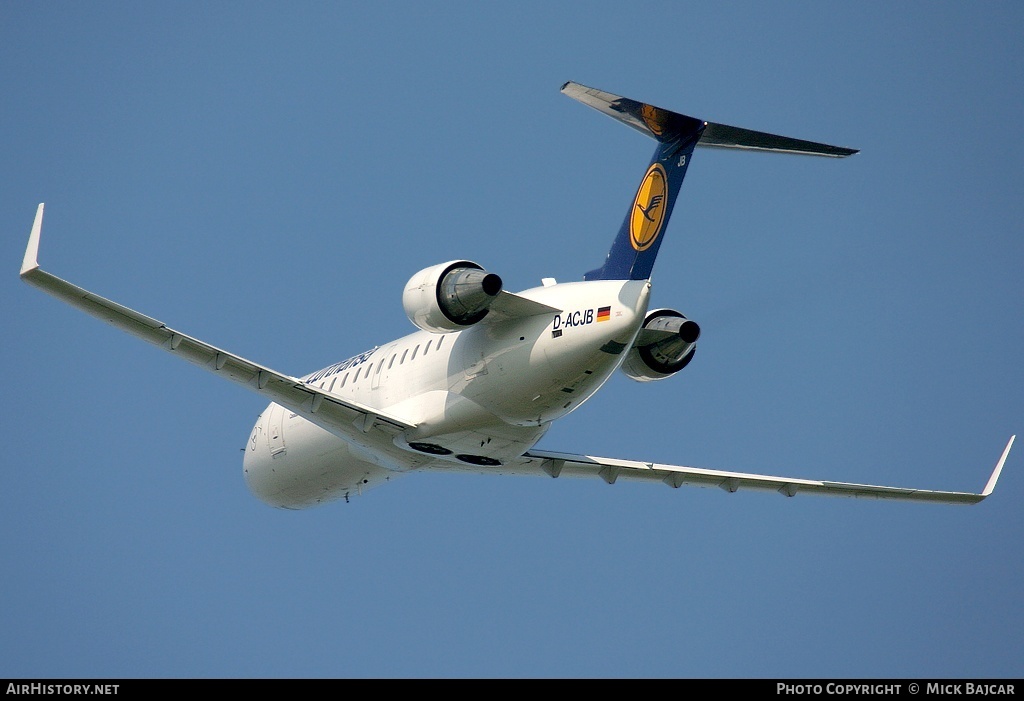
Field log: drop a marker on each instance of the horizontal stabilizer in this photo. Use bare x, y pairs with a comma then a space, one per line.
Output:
636, 245
655, 122
665, 125
724, 136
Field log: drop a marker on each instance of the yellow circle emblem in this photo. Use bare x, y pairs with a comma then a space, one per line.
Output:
649, 208
653, 118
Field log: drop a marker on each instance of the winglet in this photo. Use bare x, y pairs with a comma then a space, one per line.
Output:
30, 262
999, 468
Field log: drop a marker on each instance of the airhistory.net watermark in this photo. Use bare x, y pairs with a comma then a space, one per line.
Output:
32, 688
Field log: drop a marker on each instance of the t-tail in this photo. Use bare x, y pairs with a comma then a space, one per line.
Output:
636, 245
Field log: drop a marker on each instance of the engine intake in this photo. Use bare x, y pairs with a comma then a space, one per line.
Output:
664, 346
450, 296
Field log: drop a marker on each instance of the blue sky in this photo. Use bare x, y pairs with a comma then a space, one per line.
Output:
267, 177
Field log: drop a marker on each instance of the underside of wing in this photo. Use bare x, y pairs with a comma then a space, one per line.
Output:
343, 418
552, 464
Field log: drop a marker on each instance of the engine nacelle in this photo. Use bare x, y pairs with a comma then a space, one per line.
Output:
449, 296
665, 345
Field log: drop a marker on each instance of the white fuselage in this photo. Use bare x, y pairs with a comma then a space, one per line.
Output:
482, 395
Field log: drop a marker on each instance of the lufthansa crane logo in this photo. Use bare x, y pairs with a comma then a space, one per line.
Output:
649, 208
653, 118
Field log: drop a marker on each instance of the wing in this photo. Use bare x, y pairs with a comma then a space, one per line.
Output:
542, 462
346, 419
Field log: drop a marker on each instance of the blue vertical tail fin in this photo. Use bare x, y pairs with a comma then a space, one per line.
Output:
636, 245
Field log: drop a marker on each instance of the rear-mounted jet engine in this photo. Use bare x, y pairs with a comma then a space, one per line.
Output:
449, 296
665, 345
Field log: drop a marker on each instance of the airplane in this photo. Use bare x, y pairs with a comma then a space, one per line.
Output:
488, 371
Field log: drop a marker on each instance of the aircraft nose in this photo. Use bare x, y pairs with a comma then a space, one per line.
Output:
256, 464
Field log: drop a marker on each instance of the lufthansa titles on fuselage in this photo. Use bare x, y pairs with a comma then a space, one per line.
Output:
339, 367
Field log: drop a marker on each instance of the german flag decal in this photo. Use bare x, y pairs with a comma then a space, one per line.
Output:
604, 313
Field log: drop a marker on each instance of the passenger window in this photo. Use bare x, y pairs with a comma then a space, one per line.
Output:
391, 363
439, 342
414, 353
404, 353
344, 380
427, 349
